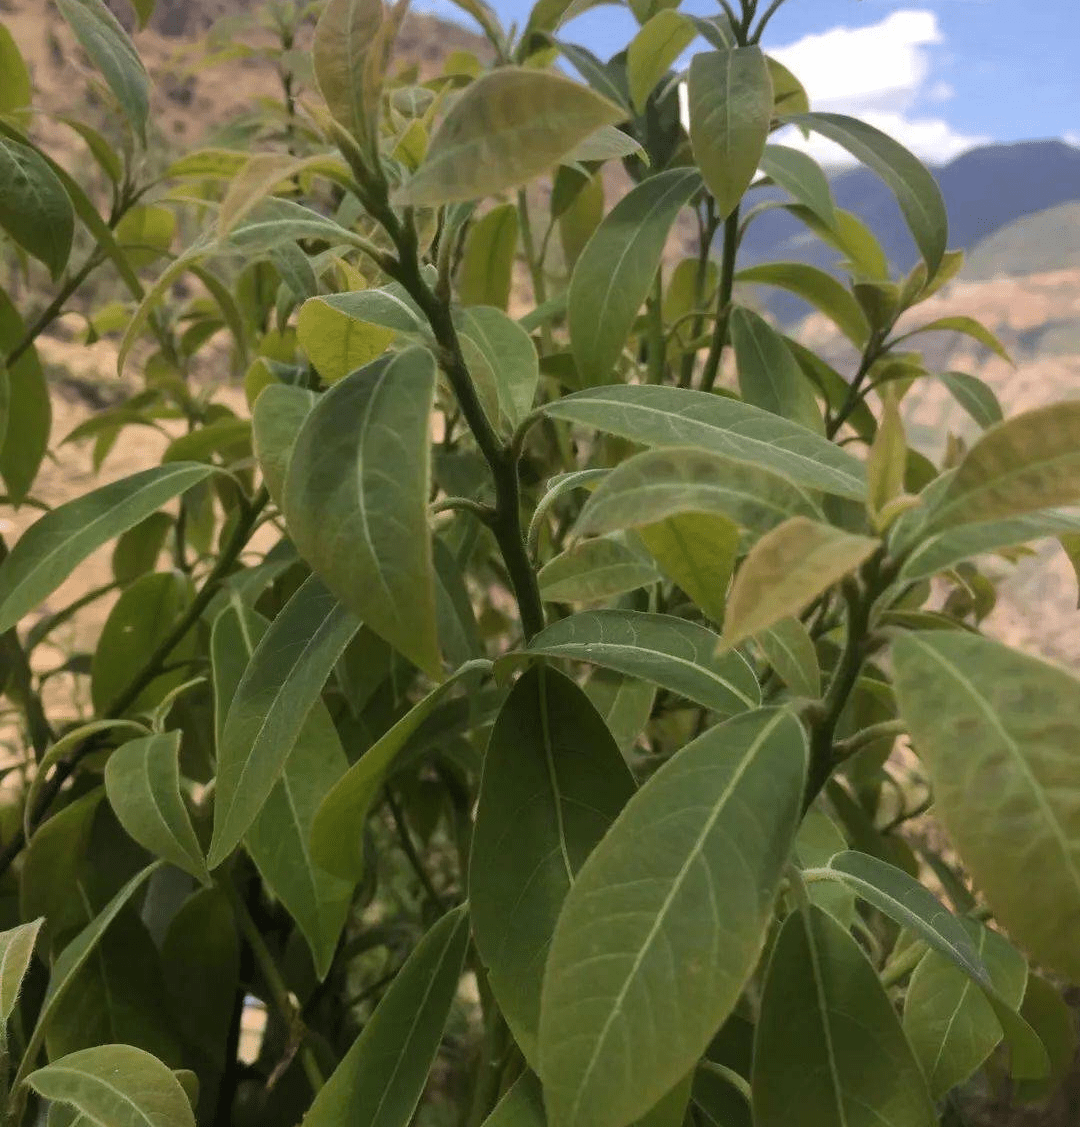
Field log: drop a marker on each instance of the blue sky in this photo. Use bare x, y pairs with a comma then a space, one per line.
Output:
940, 75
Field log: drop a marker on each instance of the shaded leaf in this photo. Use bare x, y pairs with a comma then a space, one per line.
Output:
279, 413
594, 570
335, 343
502, 360
24, 395
16, 951
696, 551
789, 649
34, 207
487, 262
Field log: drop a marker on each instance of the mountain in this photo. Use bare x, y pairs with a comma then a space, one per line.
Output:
1033, 244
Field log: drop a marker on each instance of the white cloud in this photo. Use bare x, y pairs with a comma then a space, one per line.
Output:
880, 73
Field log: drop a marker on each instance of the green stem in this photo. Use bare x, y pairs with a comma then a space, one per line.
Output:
899, 968
723, 301
409, 849
535, 263
854, 394
655, 346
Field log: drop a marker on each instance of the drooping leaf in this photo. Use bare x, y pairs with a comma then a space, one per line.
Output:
786, 569
731, 102
662, 483
279, 413
677, 897
593, 570
671, 652
948, 1020
335, 343
616, 269
661, 40
103, 38
113, 1085
914, 186
553, 782
279, 687
818, 288
142, 781
509, 126
769, 375
278, 839
34, 207
336, 842
378, 561
672, 416
824, 1008
381, 1078
487, 262
997, 731
50, 550
696, 551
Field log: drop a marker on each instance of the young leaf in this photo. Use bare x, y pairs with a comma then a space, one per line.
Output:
616, 269
343, 40
50, 550
278, 839
116, 1084
821, 290
378, 562
659, 484
16, 951
142, 781
769, 375
670, 652
651, 52
509, 126
487, 262
34, 208
785, 570
977, 710
914, 186
677, 896
279, 687
101, 36
948, 1021
829, 1048
553, 783
336, 842
594, 570
279, 413
696, 551
335, 343
381, 1078
672, 416
731, 102
1029, 462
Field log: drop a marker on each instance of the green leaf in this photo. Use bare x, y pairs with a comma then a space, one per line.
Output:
789, 649
653, 50
34, 207
670, 652
769, 375
607, 143
112, 52
344, 37
279, 413
378, 562
387, 308
594, 570
522, 1106
116, 1086
659, 484
802, 178
616, 269
27, 399
381, 1078
16, 951
336, 343
975, 396
137, 550
672, 416
278, 840
336, 843
16, 90
678, 897
502, 360
553, 782
887, 463
915, 188
731, 102
819, 839
829, 1048
140, 620
578, 222
969, 327
279, 687
1029, 462
50, 550
625, 703
948, 1021
510, 126
821, 290
979, 711
145, 234
142, 781
486, 273
697, 552
1053, 1021
262, 176
786, 569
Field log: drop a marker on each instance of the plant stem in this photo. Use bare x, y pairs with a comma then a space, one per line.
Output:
535, 263
706, 234
851, 401
655, 345
723, 301
409, 849
771, 11
899, 968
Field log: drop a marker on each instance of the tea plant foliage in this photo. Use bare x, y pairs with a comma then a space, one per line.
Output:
519, 674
